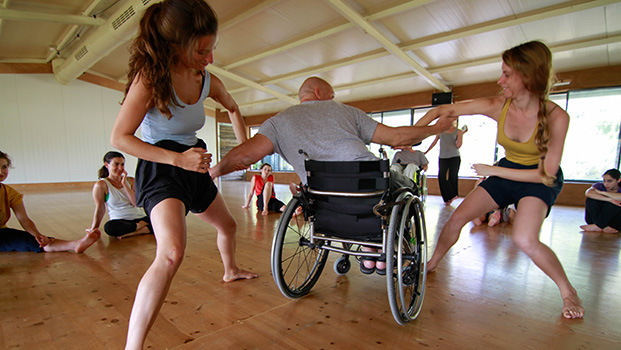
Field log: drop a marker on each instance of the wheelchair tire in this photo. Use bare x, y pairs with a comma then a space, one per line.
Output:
406, 258
296, 265
342, 265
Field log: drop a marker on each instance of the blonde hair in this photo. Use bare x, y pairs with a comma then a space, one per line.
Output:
167, 30
533, 62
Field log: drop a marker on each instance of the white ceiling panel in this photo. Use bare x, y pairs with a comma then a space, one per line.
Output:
278, 43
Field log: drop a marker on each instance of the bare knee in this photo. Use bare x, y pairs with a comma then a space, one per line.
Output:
171, 258
526, 244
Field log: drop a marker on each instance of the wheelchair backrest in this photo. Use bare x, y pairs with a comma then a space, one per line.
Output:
343, 196
362, 176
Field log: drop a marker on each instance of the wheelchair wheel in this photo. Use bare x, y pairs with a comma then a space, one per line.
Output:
296, 264
406, 258
342, 265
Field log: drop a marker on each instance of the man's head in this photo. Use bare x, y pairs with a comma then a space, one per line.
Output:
315, 89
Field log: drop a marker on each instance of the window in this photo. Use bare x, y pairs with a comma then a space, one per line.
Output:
592, 143
275, 160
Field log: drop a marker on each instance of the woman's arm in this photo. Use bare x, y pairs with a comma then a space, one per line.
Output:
128, 186
99, 197
460, 138
609, 196
250, 193
490, 107
218, 93
432, 144
123, 137
28, 225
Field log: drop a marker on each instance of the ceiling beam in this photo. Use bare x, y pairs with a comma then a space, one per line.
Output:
30, 16
579, 44
506, 22
5, 4
530, 16
224, 73
322, 33
71, 34
247, 14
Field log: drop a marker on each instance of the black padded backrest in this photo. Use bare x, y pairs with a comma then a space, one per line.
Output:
348, 217
362, 176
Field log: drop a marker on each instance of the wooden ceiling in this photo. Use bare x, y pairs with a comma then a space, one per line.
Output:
366, 48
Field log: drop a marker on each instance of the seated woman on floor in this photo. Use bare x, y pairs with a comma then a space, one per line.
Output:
261, 184
603, 204
116, 192
30, 240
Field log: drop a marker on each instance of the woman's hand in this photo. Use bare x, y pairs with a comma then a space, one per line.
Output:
484, 169
43, 240
195, 159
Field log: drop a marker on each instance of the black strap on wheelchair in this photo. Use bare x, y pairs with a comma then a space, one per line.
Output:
346, 167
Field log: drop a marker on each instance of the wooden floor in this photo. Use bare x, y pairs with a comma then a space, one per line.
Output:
486, 294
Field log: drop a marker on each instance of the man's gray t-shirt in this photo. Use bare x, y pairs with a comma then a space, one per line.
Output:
325, 130
410, 157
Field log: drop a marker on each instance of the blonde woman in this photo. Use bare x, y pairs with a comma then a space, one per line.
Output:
532, 130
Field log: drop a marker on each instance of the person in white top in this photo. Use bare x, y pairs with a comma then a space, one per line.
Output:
115, 191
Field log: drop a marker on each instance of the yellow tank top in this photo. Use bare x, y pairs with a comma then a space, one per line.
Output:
525, 153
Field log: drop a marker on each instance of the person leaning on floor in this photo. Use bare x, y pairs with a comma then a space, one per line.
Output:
602, 211
29, 239
327, 131
263, 186
115, 191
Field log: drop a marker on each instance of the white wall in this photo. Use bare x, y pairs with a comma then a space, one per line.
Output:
59, 133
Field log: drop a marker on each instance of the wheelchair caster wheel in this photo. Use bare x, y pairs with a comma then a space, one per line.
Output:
342, 265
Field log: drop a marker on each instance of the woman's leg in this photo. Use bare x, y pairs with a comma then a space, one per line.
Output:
218, 215
78, 246
477, 203
125, 228
443, 168
267, 194
526, 227
453, 176
168, 220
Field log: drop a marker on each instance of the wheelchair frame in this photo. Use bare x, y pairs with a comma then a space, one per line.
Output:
299, 253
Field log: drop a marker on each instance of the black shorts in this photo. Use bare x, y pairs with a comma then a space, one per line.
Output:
156, 182
505, 192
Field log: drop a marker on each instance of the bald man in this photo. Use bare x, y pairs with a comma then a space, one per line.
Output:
326, 130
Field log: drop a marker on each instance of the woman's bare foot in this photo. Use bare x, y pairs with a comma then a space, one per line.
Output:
240, 275
572, 306
609, 229
494, 218
591, 228
86, 241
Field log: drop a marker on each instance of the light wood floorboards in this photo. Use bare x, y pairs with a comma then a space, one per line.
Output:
486, 294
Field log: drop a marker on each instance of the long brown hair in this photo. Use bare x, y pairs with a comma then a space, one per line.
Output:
533, 62
167, 30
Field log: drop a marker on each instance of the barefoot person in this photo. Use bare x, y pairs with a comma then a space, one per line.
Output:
115, 191
167, 84
30, 240
602, 211
263, 186
532, 130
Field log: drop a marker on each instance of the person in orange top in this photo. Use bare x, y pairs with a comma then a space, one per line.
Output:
29, 239
261, 184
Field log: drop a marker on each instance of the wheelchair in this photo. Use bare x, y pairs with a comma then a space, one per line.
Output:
347, 206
